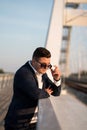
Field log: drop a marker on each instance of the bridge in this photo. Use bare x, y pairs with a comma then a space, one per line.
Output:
69, 111
65, 15
66, 112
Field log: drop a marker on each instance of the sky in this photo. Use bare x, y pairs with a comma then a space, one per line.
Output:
23, 27
78, 46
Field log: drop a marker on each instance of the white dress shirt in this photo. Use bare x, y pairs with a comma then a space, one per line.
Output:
39, 76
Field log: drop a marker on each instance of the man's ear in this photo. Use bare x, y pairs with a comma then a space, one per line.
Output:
33, 61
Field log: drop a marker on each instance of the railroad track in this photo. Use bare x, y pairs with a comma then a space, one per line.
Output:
77, 85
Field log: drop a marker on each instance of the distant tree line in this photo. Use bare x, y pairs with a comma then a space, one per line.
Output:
1, 71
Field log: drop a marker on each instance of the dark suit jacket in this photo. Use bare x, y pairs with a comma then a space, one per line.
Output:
25, 96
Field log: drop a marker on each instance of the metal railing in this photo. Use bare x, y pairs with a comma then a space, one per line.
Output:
6, 80
46, 116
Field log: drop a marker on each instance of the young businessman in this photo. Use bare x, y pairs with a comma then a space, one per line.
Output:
30, 84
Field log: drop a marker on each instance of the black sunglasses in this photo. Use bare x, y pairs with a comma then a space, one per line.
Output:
43, 65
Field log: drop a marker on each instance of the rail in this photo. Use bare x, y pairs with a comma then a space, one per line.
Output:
6, 81
47, 119
81, 86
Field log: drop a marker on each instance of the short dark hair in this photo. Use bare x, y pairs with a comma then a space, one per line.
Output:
41, 52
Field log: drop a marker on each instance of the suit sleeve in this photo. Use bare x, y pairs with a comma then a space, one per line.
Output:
25, 82
48, 83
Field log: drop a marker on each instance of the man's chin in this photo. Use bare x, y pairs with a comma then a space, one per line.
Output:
43, 72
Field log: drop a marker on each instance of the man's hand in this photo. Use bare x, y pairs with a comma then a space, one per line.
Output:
55, 73
49, 91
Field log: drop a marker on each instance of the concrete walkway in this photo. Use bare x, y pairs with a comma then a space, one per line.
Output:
70, 112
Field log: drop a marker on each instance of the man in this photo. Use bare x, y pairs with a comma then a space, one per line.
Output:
30, 84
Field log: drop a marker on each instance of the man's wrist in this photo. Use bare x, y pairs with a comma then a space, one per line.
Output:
57, 82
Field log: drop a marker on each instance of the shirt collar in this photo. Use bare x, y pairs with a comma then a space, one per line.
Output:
34, 69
